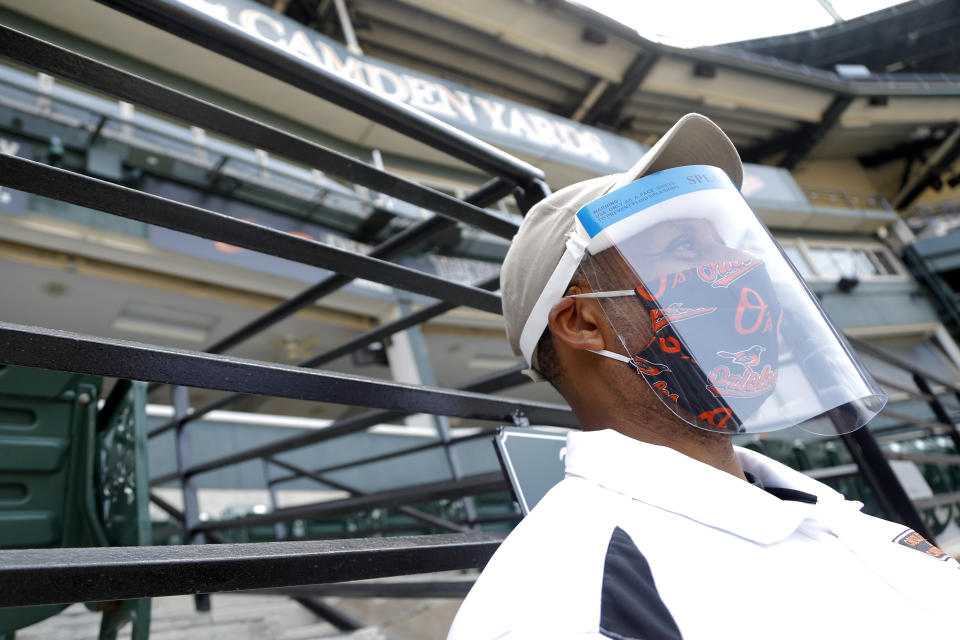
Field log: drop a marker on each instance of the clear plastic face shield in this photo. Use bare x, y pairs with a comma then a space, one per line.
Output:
712, 316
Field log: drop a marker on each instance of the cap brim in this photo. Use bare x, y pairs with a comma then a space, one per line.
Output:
694, 139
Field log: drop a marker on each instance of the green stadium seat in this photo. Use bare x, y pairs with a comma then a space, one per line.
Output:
788, 452
827, 453
66, 483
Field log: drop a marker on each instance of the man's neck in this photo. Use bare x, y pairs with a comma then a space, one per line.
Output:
714, 449
603, 398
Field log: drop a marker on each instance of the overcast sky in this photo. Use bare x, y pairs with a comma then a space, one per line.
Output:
695, 23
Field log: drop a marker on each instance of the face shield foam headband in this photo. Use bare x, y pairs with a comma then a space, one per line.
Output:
709, 313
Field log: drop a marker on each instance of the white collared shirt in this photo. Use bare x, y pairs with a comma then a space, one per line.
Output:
640, 541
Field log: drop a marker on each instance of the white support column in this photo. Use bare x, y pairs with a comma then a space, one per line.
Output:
199, 138
45, 84
125, 111
349, 35
410, 362
404, 366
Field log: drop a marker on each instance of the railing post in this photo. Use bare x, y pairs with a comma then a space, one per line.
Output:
279, 528
410, 345
346, 25
530, 194
180, 398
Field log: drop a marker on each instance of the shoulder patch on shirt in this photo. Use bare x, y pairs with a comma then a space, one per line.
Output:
914, 540
630, 605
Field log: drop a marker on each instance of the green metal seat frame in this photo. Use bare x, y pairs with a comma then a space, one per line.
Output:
71, 476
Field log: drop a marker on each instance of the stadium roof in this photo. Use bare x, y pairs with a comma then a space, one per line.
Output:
780, 99
918, 37
697, 23
576, 63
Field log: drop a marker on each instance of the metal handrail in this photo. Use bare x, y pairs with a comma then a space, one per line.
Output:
60, 576
66, 351
938, 501
926, 458
425, 231
75, 188
434, 521
913, 393
456, 588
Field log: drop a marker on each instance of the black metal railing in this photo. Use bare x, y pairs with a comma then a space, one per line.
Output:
52, 576
40, 347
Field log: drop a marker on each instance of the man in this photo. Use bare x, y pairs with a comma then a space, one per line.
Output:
664, 313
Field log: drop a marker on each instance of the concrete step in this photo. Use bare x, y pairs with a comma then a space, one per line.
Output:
261, 617
75, 622
309, 632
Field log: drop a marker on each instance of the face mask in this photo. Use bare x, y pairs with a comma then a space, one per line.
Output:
726, 362
722, 363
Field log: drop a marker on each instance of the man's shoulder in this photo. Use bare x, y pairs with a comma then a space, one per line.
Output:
547, 567
575, 512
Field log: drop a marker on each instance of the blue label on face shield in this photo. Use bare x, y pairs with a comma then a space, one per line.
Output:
649, 191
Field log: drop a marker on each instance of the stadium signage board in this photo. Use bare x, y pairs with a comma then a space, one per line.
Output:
490, 118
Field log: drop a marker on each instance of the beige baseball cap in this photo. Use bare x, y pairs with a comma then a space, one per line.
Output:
532, 271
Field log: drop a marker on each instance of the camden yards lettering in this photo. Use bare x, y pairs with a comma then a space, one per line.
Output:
466, 110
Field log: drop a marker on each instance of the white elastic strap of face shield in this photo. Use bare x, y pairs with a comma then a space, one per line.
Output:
611, 354
556, 286
555, 289
619, 293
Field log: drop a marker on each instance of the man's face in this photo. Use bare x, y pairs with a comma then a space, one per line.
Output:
676, 245
655, 254
703, 315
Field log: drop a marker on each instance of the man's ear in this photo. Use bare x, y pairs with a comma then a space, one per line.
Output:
576, 322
